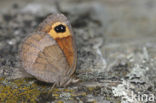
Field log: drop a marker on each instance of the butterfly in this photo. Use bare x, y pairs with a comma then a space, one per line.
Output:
49, 53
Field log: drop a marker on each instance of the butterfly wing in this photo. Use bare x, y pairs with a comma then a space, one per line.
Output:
42, 57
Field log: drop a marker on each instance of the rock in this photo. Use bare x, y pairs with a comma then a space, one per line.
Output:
116, 51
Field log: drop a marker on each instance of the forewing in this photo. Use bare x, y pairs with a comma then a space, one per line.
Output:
45, 26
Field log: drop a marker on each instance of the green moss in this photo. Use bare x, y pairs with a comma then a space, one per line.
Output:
60, 102
26, 91
18, 90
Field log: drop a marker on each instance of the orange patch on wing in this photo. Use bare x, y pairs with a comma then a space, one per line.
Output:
67, 48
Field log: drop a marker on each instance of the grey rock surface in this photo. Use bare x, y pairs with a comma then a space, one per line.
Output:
116, 42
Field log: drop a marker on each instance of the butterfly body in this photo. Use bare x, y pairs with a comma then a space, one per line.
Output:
49, 53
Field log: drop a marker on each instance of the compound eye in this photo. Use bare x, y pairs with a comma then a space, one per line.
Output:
60, 28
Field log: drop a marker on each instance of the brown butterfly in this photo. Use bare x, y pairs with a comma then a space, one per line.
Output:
49, 53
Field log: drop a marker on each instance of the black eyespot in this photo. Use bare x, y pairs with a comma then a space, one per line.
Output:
60, 28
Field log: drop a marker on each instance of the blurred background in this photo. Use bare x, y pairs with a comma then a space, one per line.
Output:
116, 42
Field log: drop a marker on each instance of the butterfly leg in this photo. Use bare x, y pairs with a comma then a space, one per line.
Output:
71, 80
51, 89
